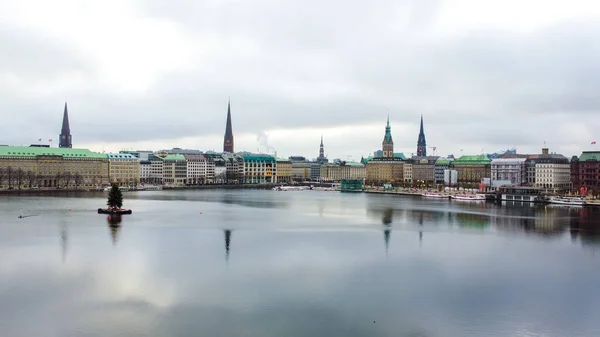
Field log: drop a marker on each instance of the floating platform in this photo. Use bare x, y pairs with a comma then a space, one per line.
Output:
113, 211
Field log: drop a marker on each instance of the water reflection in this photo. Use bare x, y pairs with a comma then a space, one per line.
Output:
387, 232
228, 233
64, 241
114, 224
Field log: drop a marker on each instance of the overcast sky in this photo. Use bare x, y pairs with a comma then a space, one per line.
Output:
155, 74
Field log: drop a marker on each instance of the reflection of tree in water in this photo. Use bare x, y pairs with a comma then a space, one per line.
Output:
228, 233
114, 224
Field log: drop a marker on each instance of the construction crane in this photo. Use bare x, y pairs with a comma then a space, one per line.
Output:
434, 149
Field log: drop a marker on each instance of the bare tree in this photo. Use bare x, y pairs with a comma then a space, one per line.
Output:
77, 179
30, 176
67, 177
2, 176
19, 177
94, 181
57, 179
38, 180
10, 176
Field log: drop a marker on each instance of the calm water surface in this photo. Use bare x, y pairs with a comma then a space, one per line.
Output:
307, 263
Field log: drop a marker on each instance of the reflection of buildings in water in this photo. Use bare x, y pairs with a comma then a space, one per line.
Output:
245, 200
64, 242
387, 233
472, 220
114, 224
540, 219
228, 233
585, 226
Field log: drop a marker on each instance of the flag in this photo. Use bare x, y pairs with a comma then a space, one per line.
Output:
50, 140
39, 140
594, 143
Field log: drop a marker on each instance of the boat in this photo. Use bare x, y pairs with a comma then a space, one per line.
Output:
569, 201
469, 197
437, 195
292, 188
113, 211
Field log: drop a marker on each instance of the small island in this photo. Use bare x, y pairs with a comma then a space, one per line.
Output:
115, 202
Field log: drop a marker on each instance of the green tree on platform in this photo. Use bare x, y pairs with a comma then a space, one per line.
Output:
115, 197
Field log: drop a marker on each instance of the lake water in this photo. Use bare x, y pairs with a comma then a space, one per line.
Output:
306, 263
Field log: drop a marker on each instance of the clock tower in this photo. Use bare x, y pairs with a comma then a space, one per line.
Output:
65, 132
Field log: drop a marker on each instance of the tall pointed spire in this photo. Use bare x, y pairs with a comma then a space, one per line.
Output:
65, 132
228, 141
322, 159
421, 144
227, 243
388, 144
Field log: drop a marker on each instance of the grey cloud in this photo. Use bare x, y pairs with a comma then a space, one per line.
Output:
331, 64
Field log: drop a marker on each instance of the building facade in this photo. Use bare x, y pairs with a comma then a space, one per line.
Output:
124, 169
423, 170
174, 169
200, 169
45, 167
343, 171
284, 170
472, 169
509, 169
552, 171
440, 165
407, 170
585, 173
259, 169
381, 170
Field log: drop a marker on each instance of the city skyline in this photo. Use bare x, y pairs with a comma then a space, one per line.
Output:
481, 78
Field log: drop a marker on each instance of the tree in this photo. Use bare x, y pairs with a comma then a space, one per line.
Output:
78, 179
39, 179
67, 177
57, 179
19, 177
10, 176
30, 178
115, 197
2, 175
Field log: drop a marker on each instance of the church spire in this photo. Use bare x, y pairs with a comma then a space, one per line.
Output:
228, 141
322, 159
65, 131
421, 144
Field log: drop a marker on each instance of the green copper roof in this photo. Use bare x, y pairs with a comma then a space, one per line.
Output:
400, 155
353, 163
388, 132
175, 157
258, 158
588, 155
481, 159
443, 161
27, 151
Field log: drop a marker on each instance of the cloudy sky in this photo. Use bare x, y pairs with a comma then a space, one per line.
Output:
152, 74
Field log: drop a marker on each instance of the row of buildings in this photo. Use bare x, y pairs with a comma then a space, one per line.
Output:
45, 166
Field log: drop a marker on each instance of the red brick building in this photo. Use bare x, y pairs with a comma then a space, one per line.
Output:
585, 172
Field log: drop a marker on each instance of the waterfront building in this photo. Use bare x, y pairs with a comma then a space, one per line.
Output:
174, 169
507, 171
441, 164
472, 169
234, 165
585, 172
156, 169
407, 172
259, 168
228, 139
140, 154
450, 177
322, 159
284, 170
421, 143
301, 170
200, 169
387, 145
423, 170
220, 176
552, 171
346, 170
382, 170
123, 169
64, 139
26, 167
145, 169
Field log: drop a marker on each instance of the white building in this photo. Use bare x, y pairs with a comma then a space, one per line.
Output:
145, 170
509, 169
200, 169
552, 171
